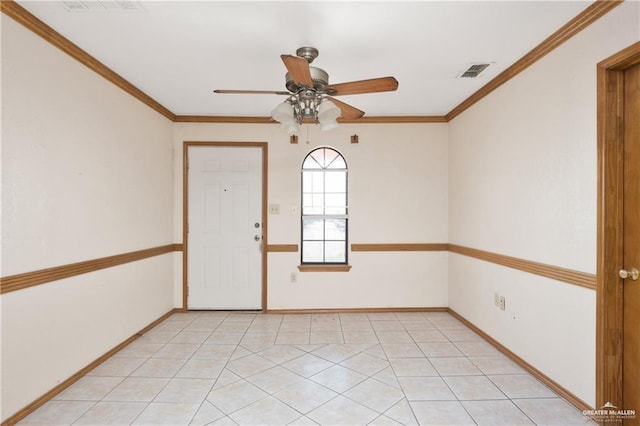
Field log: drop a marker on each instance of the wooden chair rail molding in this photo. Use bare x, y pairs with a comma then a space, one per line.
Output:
282, 248
42, 276
581, 279
591, 14
569, 276
401, 247
292, 248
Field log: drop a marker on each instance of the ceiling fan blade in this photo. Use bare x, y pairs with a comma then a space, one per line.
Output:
251, 92
298, 69
383, 84
348, 111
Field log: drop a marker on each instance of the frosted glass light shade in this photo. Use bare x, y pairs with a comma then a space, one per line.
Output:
283, 113
292, 128
328, 125
328, 112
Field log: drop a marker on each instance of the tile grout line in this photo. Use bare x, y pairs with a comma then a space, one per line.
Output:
362, 348
172, 377
214, 380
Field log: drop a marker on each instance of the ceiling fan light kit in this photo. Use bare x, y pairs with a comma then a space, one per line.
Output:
294, 110
328, 112
310, 93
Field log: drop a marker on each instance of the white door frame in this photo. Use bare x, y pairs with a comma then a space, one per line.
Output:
185, 211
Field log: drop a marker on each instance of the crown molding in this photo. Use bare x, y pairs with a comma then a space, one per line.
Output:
269, 120
398, 119
29, 21
581, 21
585, 18
223, 119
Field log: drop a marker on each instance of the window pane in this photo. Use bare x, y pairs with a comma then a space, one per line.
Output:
327, 158
324, 156
338, 163
335, 181
318, 157
312, 229
335, 251
313, 181
324, 207
312, 210
335, 211
335, 200
313, 204
317, 181
335, 229
306, 181
311, 163
313, 251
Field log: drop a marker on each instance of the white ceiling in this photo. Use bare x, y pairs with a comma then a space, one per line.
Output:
177, 52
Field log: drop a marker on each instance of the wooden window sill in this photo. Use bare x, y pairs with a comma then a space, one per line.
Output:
324, 268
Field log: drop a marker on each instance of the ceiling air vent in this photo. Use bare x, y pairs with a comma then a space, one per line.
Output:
102, 5
474, 70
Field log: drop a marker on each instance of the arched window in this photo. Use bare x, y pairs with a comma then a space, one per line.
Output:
324, 207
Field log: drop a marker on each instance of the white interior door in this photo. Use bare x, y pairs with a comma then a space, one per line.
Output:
224, 227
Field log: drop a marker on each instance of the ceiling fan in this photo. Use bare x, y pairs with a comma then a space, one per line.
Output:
311, 95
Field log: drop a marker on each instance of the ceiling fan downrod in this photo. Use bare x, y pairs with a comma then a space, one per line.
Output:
308, 53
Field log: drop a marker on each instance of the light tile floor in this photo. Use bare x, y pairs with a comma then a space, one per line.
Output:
221, 368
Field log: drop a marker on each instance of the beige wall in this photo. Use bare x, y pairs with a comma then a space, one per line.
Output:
522, 179
86, 173
397, 194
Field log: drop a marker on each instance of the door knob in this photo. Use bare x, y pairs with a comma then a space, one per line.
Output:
256, 238
633, 273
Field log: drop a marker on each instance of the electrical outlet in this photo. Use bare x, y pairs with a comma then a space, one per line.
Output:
503, 303
294, 277
496, 299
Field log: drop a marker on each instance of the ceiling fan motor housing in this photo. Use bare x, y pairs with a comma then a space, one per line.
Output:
319, 77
